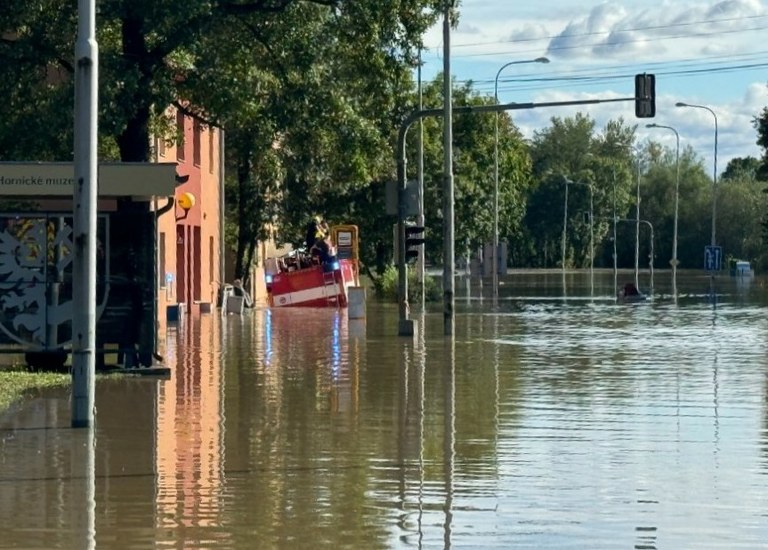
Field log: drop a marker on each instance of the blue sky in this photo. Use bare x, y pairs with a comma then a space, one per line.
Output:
710, 53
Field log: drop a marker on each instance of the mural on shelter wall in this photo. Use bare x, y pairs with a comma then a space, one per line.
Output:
36, 279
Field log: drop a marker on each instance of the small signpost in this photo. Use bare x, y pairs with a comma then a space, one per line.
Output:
713, 258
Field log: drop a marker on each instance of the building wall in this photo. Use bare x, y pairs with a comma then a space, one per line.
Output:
188, 242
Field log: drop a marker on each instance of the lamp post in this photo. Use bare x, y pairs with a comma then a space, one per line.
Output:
677, 202
714, 172
615, 256
565, 225
650, 244
637, 221
496, 170
449, 233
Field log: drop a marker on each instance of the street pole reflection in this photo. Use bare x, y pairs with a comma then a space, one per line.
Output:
421, 364
496, 350
715, 389
402, 439
565, 289
84, 492
449, 415
411, 402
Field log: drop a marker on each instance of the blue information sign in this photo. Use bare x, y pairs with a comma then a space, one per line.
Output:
713, 258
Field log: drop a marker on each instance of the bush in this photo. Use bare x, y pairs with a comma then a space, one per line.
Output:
386, 286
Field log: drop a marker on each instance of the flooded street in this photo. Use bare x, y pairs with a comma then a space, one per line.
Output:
553, 419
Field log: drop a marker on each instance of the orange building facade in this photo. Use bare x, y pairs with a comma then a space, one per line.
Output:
159, 256
189, 236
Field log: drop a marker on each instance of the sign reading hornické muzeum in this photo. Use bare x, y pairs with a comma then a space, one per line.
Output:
32, 180
115, 179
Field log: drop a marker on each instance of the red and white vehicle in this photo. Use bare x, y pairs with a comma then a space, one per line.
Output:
296, 281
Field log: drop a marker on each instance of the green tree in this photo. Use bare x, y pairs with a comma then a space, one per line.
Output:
741, 168
741, 206
330, 87
473, 168
658, 201
36, 52
572, 149
760, 123
306, 89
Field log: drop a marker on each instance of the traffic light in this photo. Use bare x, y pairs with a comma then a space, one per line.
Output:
645, 95
414, 237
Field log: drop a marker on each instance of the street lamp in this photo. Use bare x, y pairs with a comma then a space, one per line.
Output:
637, 220
677, 201
615, 256
496, 170
565, 226
714, 173
650, 241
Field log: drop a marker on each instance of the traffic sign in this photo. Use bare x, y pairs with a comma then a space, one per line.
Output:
713, 258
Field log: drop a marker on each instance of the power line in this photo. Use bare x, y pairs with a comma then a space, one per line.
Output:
611, 45
685, 68
627, 29
588, 75
712, 61
602, 44
559, 82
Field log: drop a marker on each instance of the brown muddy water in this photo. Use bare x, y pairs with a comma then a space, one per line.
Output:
554, 418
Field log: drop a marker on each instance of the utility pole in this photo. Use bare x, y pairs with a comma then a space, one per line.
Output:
449, 283
420, 216
637, 228
565, 226
673, 262
84, 215
615, 257
496, 264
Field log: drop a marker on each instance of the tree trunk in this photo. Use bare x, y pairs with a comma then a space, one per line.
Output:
133, 141
249, 259
243, 175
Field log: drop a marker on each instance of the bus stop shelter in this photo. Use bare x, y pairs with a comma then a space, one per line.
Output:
36, 259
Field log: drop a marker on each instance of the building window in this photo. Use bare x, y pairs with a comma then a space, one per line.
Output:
210, 258
161, 147
180, 131
211, 157
197, 267
196, 153
161, 259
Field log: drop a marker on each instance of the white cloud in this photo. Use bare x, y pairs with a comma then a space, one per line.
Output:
736, 134
529, 32
603, 31
674, 30
708, 52
590, 32
705, 52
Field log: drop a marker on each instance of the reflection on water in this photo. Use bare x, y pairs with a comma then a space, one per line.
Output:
554, 418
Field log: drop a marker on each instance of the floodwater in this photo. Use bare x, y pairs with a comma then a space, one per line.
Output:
554, 418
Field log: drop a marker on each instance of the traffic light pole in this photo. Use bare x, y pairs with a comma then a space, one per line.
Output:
405, 325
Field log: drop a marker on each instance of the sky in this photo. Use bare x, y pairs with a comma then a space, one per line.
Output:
702, 52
